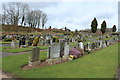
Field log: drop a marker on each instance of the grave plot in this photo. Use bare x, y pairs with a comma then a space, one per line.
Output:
54, 56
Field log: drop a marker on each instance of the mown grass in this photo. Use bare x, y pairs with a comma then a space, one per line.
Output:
98, 64
7, 42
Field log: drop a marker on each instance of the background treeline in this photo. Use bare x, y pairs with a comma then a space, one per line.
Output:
17, 13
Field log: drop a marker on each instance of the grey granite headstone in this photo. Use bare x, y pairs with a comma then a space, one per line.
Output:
90, 46
62, 44
55, 51
35, 54
66, 49
104, 44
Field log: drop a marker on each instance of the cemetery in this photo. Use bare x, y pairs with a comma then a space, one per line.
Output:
31, 52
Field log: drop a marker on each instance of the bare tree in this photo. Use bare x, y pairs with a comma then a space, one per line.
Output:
24, 13
43, 19
33, 18
18, 13
15, 11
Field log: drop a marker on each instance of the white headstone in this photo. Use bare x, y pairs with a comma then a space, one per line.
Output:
12, 44
81, 46
101, 43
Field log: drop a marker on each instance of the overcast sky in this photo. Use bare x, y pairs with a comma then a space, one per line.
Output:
77, 15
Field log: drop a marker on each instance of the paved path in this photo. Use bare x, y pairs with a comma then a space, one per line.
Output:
8, 44
4, 75
3, 54
93, 39
118, 74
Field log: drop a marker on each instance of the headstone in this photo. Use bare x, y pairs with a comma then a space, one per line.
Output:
90, 46
30, 41
104, 45
55, 51
48, 54
97, 45
12, 44
23, 41
93, 46
35, 54
80, 45
66, 50
20, 42
101, 43
51, 41
86, 48
62, 44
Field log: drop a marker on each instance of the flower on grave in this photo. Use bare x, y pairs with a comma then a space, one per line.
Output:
76, 53
35, 41
55, 39
71, 56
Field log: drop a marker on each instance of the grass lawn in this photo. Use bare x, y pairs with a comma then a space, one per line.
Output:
73, 44
3, 42
98, 64
107, 38
16, 50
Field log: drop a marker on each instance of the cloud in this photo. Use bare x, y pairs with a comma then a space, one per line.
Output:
78, 15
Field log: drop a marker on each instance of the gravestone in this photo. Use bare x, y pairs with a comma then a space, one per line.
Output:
108, 43
20, 42
90, 46
34, 58
66, 50
30, 41
101, 43
62, 45
80, 45
55, 51
97, 45
23, 41
51, 41
73, 40
35, 54
104, 44
86, 48
12, 44
93, 46
48, 54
